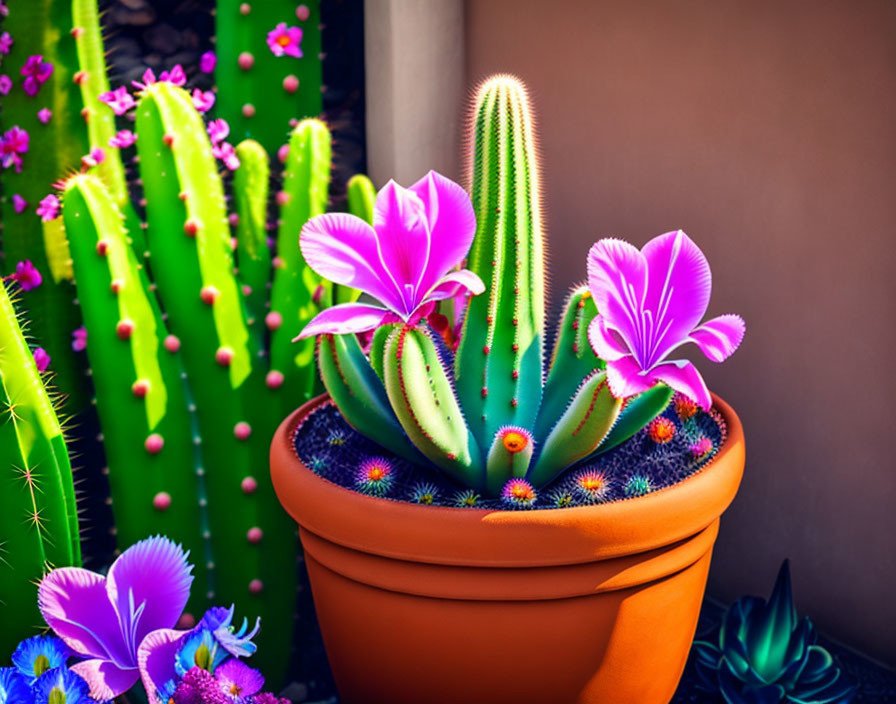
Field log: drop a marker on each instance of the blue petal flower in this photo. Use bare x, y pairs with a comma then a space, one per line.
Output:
13, 687
61, 685
36, 655
200, 649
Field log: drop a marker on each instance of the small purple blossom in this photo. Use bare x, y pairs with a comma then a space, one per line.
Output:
19, 204
48, 208
45, 115
27, 275
124, 138
96, 157
203, 100
218, 130
207, 62
175, 76
6, 42
226, 153
198, 686
119, 100
268, 698
5, 84
147, 79
238, 681
79, 339
41, 359
13, 143
36, 72
285, 41
406, 261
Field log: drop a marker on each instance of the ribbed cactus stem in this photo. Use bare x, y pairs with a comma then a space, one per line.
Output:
250, 194
298, 294
421, 393
137, 381
580, 430
38, 516
499, 361
636, 414
509, 456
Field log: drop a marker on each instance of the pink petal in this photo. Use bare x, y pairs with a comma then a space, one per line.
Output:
155, 660
149, 585
679, 284
343, 319
106, 681
626, 378
343, 248
74, 603
453, 283
606, 343
452, 224
683, 377
719, 337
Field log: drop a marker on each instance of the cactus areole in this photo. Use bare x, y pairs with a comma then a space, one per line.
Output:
441, 394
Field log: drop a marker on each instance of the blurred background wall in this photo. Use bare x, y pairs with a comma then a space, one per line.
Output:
765, 129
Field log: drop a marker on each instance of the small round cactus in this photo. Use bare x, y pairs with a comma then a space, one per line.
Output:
518, 493
638, 485
375, 476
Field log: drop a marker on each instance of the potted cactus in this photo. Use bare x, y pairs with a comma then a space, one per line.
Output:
417, 481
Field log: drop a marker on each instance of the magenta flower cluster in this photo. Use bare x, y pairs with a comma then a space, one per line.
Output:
13, 144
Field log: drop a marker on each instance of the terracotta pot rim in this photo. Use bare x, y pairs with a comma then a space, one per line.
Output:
490, 537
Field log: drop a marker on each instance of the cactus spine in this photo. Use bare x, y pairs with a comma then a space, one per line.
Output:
38, 516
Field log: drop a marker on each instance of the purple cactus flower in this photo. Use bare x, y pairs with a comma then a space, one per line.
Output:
41, 359
203, 100
106, 619
19, 204
650, 304
226, 153
207, 62
27, 275
147, 79
405, 261
175, 76
79, 339
48, 208
45, 115
218, 130
198, 686
285, 41
124, 138
238, 681
5, 84
96, 157
14, 142
119, 100
36, 72
6, 42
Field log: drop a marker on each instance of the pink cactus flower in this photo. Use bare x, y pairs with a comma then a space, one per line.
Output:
6, 42
41, 358
36, 72
203, 100
13, 143
226, 153
218, 130
45, 115
148, 79
119, 100
19, 204
79, 339
285, 41
124, 138
94, 158
48, 208
175, 76
27, 275
5, 84
207, 62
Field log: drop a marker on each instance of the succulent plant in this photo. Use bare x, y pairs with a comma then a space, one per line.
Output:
38, 514
481, 403
762, 653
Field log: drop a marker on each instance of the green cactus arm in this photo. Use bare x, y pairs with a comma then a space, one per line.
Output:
140, 400
377, 351
100, 118
192, 265
250, 194
361, 196
637, 413
259, 92
38, 516
508, 459
572, 360
42, 27
580, 430
360, 395
499, 360
422, 396
298, 293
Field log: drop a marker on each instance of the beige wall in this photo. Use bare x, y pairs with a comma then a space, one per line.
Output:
767, 130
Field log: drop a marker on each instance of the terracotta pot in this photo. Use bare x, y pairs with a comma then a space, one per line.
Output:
437, 605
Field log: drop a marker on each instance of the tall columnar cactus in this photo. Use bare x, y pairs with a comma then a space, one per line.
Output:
269, 67
38, 516
45, 121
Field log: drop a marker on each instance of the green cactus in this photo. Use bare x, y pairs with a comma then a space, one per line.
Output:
38, 516
259, 92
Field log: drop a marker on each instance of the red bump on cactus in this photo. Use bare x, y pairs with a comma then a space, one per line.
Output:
140, 388
254, 535
242, 431
274, 379
224, 356
661, 430
208, 295
161, 501
273, 320
172, 343
154, 444
249, 485
124, 329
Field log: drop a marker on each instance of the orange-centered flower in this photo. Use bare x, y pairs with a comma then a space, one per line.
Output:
515, 441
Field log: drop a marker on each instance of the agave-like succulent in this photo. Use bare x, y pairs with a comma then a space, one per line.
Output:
762, 653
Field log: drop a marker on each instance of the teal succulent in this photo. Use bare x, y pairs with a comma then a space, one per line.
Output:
762, 653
